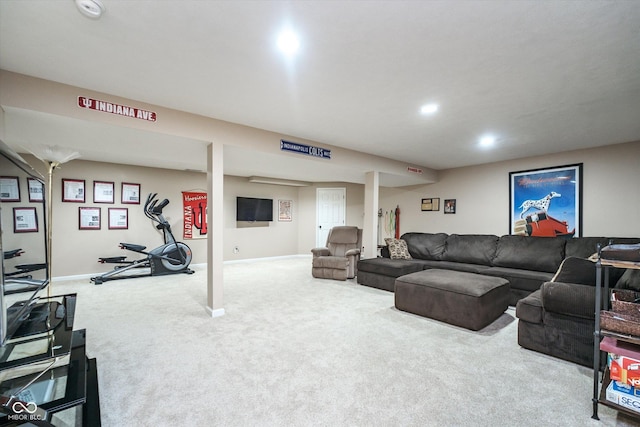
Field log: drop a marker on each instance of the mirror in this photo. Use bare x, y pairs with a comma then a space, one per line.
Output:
23, 235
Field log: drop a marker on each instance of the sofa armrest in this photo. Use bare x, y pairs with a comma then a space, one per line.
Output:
570, 299
320, 252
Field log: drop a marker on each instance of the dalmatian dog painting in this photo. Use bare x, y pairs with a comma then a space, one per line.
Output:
540, 205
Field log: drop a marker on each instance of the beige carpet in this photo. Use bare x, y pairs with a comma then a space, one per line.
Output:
296, 351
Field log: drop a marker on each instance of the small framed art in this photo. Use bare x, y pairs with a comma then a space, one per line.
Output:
73, 190
432, 204
89, 218
36, 190
449, 206
9, 189
118, 218
130, 193
25, 220
102, 192
284, 210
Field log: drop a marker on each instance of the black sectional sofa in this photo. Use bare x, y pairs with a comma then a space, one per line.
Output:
556, 314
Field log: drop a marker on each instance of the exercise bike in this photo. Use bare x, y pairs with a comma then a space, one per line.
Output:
170, 258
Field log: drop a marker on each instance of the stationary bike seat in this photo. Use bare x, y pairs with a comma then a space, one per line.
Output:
132, 247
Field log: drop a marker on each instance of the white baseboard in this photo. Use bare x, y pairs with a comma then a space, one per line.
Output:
236, 261
200, 266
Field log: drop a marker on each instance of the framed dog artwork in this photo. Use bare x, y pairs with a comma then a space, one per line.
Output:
546, 202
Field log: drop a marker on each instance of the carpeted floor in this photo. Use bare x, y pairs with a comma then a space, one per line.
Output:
292, 350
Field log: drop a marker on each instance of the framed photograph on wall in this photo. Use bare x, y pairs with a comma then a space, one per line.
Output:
89, 218
449, 206
73, 190
102, 192
432, 204
546, 202
9, 189
36, 190
25, 220
118, 218
284, 210
130, 193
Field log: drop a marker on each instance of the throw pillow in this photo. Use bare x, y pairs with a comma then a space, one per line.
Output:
397, 248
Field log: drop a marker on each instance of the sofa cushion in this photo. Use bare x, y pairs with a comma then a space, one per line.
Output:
583, 247
570, 299
455, 266
576, 270
429, 246
471, 248
530, 253
397, 248
629, 280
389, 267
530, 309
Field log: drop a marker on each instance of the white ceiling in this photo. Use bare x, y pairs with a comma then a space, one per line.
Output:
542, 76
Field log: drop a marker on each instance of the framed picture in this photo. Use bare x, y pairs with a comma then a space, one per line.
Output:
432, 204
449, 206
36, 190
102, 192
25, 220
118, 218
89, 218
546, 202
73, 190
9, 189
130, 193
284, 210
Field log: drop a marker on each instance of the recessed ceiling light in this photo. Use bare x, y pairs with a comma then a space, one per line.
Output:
487, 141
90, 8
429, 108
288, 42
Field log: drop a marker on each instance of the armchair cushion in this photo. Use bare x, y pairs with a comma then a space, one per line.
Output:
320, 252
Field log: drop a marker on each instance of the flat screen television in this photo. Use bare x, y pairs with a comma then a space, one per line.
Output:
253, 209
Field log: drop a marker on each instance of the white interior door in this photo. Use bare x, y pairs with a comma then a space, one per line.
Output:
331, 208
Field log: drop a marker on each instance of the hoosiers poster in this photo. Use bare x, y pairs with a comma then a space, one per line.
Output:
195, 214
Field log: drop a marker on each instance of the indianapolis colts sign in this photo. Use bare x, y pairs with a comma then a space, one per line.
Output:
308, 150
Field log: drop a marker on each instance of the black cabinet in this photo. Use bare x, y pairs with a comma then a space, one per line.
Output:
45, 374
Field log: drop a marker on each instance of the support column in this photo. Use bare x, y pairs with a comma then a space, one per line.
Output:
370, 227
215, 229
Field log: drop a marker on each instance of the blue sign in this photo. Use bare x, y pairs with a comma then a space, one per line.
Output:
309, 150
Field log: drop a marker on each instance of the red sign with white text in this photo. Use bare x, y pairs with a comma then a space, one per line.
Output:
194, 207
117, 109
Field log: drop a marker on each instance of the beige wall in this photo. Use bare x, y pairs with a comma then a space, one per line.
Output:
611, 199
76, 252
611, 206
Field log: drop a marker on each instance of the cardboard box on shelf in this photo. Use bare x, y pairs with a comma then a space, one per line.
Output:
623, 395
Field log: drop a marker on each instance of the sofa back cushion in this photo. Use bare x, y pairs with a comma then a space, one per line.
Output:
428, 246
583, 247
471, 248
530, 253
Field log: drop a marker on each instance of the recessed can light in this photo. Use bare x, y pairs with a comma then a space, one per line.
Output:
487, 141
288, 42
90, 8
429, 108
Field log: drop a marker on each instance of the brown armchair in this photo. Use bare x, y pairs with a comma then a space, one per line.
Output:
339, 259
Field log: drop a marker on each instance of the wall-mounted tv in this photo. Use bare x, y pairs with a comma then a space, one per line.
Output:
252, 209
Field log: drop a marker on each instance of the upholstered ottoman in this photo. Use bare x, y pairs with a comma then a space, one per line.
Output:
469, 300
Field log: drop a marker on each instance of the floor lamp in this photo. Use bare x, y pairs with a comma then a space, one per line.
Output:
53, 157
